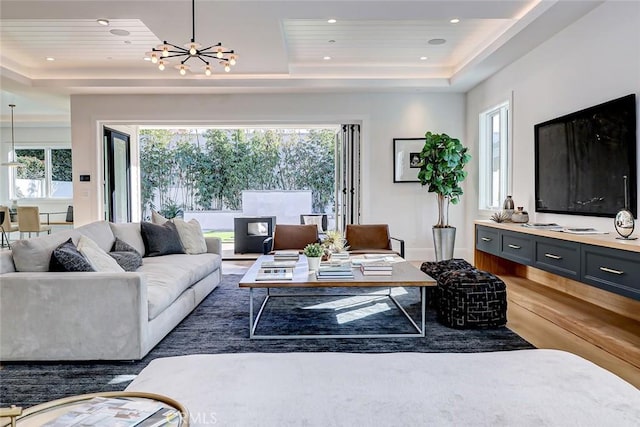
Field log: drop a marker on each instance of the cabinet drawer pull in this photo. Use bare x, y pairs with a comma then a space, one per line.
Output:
552, 256
486, 239
611, 270
514, 246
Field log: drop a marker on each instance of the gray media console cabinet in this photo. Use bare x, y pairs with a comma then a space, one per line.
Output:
579, 293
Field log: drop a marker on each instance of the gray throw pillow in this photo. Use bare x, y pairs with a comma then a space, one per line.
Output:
129, 261
161, 239
67, 258
122, 246
126, 255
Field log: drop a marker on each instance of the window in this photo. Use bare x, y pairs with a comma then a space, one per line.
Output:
46, 173
494, 159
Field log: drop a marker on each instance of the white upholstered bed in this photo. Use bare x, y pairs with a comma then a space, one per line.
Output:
515, 388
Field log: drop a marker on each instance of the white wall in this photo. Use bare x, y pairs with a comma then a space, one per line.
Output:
594, 60
408, 209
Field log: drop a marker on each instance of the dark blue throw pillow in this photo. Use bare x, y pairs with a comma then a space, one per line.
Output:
161, 239
67, 258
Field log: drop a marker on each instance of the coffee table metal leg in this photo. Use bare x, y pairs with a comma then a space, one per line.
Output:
253, 324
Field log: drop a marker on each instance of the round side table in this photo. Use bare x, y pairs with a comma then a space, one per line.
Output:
45, 412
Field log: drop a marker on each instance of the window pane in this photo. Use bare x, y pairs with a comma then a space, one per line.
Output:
495, 159
61, 178
30, 178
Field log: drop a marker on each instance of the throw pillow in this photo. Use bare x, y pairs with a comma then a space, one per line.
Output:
156, 218
126, 255
99, 259
191, 236
161, 239
67, 258
122, 246
129, 261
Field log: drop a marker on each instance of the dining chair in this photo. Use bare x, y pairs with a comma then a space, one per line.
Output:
6, 225
29, 221
371, 238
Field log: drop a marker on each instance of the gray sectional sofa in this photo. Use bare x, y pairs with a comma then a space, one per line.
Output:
96, 315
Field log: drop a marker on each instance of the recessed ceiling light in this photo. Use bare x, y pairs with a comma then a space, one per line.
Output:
118, 32
332, 41
331, 21
102, 21
455, 20
326, 58
49, 58
127, 42
423, 58
437, 41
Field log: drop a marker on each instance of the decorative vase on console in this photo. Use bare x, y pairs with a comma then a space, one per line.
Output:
624, 221
507, 206
520, 216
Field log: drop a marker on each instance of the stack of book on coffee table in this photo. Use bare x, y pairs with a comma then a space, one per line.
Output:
335, 270
376, 268
339, 256
276, 270
286, 256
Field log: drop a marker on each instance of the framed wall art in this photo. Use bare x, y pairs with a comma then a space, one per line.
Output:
406, 159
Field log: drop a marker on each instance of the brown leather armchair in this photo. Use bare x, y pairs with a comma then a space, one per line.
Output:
290, 237
371, 239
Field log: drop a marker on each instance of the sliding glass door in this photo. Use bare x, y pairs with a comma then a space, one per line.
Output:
117, 176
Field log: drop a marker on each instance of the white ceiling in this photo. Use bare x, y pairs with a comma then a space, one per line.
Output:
374, 45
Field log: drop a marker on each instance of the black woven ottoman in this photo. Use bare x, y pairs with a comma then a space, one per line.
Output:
471, 299
435, 269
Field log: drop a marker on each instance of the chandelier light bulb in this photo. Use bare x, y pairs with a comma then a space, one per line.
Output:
219, 54
227, 68
193, 50
154, 58
207, 70
165, 51
161, 65
183, 71
232, 60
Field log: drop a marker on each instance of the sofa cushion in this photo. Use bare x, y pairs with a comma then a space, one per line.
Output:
130, 233
66, 257
170, 275
161, 239
100, 232
35, 254
191, 236
99, 259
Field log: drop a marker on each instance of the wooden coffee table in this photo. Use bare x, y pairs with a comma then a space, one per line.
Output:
404, 275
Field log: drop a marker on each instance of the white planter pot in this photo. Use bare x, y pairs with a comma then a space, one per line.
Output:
314, 263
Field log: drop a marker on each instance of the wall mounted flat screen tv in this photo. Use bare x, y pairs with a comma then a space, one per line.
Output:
581, 159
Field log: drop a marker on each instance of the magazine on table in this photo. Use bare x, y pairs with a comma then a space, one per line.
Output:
276, 273
107, 412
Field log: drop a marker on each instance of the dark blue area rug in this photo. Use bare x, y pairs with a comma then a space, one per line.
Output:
220, 324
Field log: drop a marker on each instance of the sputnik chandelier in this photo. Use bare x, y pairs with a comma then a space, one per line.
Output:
215, 53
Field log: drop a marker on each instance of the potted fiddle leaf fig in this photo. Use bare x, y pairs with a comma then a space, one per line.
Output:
443, 159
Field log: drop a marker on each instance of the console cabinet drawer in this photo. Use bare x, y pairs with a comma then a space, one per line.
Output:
488, 240
558, 256
517, 247
612, 269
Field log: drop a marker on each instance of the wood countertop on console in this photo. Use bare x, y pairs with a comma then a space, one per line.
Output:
606, 240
